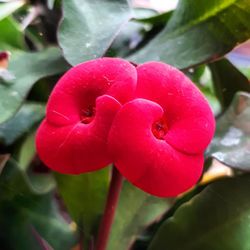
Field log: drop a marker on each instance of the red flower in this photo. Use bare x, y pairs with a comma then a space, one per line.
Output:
158, 142
73, 137
150, 120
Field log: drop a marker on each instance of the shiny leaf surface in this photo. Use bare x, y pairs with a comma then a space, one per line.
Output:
27, 68
227, 81
29, 115
135, 211
84, 196
197, 33
232, 138
89, 27
217, 218
23, 207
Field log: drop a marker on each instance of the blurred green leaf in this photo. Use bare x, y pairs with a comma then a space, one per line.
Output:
202, 77
127, 40
136, 33
27, 68
21, 123
136, 210
89, 27
245, 71
84, 196
27, 151
21, 209
3, 159
16, 180
227, 81
197, 33
146, 236
217, 218
12, 36
232, 138
8, 8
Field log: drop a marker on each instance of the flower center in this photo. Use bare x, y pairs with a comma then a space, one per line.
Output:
87, 115
160, 128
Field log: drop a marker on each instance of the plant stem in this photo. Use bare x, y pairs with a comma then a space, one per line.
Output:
110, 208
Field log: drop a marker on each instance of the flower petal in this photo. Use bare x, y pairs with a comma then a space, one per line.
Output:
150, 163
73, 137
78, 148
190, 120
82, 84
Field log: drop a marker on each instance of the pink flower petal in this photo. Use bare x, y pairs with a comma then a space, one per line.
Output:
73, 137
150, 163
190, 120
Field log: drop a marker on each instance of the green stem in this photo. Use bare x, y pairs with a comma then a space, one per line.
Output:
110, 208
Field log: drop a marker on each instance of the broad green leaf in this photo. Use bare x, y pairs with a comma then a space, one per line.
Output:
136, 33
27, 69
232, 138
21, 209
89, 27
227, 81
29, 115
8, 8
11, 37
84, 196
217, 218
146, 236
197, 33
136, 209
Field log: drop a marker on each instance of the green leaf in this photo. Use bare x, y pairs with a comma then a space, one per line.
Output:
232, 138
217, 218
26, 153
127, 40
136, 209
29, 115
16, 180
12, 36
245, 71
21, 209
89, 27
8, 8
202, 77
136, 33
27, 68
227, 81
142, 242
197, 33
84, 196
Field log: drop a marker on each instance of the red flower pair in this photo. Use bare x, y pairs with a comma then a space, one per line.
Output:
150, 121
